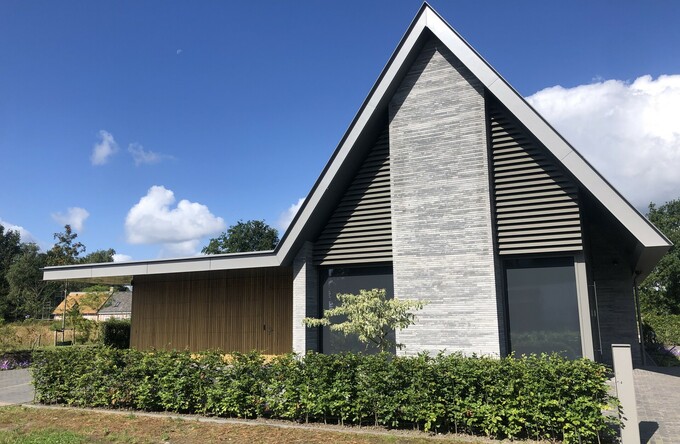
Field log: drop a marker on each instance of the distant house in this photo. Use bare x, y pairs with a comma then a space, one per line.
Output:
447, 187
89, 304
118, 306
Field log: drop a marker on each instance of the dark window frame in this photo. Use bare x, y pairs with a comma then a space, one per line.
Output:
365, 269
536, 261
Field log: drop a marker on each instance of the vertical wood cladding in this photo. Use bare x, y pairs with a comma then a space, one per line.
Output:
537, 207
360, 229
234, 310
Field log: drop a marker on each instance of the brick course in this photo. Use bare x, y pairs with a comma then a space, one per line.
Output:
441, 215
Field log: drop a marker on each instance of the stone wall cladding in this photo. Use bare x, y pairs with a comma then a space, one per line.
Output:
305, 299
441, 215
613, 282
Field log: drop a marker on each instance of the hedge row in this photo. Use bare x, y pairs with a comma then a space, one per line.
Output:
116, 333
545, 397
666, 328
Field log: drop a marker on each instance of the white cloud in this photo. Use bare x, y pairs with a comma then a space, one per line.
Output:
25, 235
180, 249
630, 132
75, 217
287, 216
119, 257
104, 149
142, 156
153, 221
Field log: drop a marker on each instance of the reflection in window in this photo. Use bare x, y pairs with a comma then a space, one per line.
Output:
543, 307
350, 280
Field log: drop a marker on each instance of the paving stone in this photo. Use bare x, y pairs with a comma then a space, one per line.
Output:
15, 387
657, 392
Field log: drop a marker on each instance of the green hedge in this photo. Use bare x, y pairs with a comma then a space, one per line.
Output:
116, 333
545, 397
666, 328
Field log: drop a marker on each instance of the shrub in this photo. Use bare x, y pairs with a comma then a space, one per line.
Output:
540, 397
116, 333
11, 360
666, 328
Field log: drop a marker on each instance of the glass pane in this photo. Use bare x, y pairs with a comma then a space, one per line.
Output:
350, 280
543, 307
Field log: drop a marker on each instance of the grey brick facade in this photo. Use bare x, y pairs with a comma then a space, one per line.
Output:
305, 299
441, 215
612, 281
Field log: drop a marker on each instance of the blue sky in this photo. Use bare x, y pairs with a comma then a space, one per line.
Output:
110, 110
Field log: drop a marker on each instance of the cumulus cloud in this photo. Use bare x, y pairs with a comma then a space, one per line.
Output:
287, 216
154, 220
142, 156
119, 257
75, 217
25, 235
104, 149
630, 132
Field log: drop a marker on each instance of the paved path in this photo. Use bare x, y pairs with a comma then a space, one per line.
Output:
657, 392
15, 387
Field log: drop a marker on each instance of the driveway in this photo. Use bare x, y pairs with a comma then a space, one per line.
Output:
15, 387
657, 393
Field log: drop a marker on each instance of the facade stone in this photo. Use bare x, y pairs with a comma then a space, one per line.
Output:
305, 299
441, 215
612, 285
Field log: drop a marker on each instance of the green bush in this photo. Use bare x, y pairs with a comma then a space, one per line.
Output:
116, 333
539, 397
666, 328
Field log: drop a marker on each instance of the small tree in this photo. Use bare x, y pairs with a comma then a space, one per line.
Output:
370, 316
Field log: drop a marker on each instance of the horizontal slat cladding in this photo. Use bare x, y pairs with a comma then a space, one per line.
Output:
537, 207
360, 228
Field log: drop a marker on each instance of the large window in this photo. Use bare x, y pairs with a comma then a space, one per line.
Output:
349, 280
543, 306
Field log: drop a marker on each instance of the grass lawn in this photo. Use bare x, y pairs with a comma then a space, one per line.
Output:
65, 426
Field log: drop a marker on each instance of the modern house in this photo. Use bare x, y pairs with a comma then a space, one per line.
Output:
447, 187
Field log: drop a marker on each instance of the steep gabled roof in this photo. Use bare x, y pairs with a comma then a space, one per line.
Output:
427, 23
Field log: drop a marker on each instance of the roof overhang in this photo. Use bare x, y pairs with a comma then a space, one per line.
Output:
652, 243
123, 272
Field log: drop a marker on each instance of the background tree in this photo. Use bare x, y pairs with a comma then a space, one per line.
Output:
660, 291
10, 247
28, 292
370, 316
66, 251
99, 256
253, 235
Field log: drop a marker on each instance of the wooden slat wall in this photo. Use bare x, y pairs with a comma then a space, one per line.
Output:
360, 229
537, 207
234, 310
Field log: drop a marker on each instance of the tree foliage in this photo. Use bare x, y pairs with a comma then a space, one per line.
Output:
22, 289
370, 316
28, 292
253, 235
10, 248
66, 250
660, 291
99, 256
